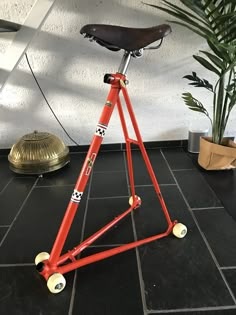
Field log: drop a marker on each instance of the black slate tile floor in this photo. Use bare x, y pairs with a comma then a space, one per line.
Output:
194, 275
3, 231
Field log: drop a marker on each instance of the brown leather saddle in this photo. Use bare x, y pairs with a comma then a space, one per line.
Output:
118, 37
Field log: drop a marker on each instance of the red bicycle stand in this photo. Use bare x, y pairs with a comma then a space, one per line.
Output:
52, 266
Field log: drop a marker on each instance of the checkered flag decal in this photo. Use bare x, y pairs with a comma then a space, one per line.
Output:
101, 130
76, 196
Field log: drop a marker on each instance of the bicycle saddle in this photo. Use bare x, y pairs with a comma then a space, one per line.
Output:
118, 37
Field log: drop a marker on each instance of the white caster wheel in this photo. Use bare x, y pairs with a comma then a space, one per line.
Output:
56, 283
131, 200
41, 257
179, 230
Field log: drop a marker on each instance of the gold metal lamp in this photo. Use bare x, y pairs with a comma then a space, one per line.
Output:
38, 153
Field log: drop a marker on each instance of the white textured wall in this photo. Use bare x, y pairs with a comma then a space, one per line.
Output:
70, 70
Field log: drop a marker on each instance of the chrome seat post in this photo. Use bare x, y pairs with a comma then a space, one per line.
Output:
126, 59
124, 63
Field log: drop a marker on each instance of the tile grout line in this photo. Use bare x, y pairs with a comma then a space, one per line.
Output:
111, 197
17, 265
190, 310
153, 148
210, 188
72, 299
19, 211
101, 172
124, 149
73, 291
202, 234
228, 268
8, 183
121, 144
206, 208
105, 245
102, 151
82, 152
27, 175
184, 169
141, 282
152, 185
54, 185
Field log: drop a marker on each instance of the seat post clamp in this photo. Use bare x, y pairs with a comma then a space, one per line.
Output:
108, 78
137, 53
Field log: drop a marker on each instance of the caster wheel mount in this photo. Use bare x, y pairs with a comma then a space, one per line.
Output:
131, 201
41, 257
179, 230
56, 283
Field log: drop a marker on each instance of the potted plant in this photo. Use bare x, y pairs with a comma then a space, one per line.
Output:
215, 21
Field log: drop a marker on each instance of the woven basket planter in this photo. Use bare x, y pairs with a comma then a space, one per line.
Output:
217, 157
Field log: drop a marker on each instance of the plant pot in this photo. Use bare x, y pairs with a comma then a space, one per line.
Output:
217, 157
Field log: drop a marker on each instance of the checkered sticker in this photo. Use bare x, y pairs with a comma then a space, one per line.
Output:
101, 130
76, 196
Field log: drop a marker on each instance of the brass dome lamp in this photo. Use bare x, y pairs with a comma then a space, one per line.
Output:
38, 153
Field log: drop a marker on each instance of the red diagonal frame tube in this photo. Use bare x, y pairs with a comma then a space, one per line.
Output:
110, 252
78, 249
83, 178
128, 142
144, 154
55, 260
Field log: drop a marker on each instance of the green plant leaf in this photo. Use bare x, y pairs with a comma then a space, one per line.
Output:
231, 92
197, 82
187, 13
221, 53
196, 6
230, 33
183, 17
194, 104
205, 6
206, 64
220, 64
220, 8
215, 21
189, 28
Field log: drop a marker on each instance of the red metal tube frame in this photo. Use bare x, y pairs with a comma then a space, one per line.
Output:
54, 263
